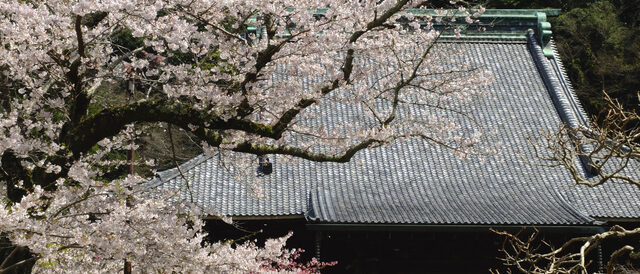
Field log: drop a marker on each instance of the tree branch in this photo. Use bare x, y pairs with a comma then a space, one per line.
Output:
19, 264
108, 122
606, 150
347, 67
525, 255
343, 157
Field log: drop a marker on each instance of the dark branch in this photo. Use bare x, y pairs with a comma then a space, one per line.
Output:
344, 157
347, 68
78, 29
79, 100
108, 122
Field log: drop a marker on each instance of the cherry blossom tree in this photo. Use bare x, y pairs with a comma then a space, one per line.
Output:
244, 77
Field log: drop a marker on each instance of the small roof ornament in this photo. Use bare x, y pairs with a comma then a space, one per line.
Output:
544, 34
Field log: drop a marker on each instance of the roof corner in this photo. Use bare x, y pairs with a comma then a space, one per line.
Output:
576, 213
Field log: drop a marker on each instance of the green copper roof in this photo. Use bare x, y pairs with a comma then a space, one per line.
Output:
492, 24
497, 23
495, 13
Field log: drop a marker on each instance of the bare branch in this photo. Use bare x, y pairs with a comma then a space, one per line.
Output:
175, 162
606, 151
527, 256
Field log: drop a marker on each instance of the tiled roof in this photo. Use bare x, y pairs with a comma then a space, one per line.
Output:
420, 183
215, 188
613, 200
413, 182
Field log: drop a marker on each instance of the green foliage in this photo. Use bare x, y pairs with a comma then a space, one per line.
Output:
92, 19
629, 12
599, 42
124, 38
534, 4
601, 52
565, 5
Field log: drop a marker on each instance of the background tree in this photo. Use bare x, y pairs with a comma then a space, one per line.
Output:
601, 46
598, 42
196, 65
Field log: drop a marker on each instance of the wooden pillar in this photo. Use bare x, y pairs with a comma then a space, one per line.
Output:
319, 236
600, 260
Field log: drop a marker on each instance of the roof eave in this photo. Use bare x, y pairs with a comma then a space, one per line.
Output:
577, 228
259, 217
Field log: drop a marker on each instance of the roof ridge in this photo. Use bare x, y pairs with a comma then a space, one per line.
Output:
482, 39
563, 100
310, 214
166, 175
568, 87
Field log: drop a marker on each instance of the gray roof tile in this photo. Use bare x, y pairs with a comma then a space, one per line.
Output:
416, 182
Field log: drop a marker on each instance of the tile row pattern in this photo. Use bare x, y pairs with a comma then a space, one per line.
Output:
416, 182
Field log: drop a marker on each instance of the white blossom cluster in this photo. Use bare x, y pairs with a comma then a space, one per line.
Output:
96, 227
244, 76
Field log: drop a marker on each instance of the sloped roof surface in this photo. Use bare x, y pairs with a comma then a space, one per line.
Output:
615, 199
215, 188
417, 182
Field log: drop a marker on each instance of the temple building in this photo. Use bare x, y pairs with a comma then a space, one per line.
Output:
414, 206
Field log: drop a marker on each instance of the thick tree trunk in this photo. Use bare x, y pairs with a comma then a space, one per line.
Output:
12, 172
